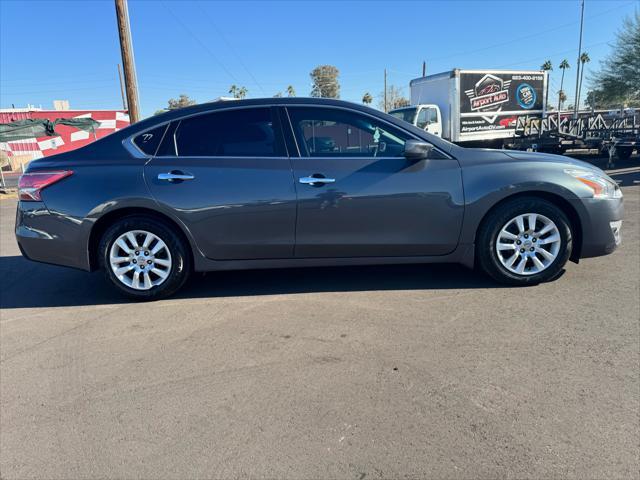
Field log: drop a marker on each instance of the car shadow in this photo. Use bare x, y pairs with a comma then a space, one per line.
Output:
26, 284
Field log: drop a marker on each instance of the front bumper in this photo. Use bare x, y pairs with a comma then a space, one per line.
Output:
46, 237
601, 221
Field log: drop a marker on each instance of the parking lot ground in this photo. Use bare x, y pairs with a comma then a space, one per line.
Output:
373, 372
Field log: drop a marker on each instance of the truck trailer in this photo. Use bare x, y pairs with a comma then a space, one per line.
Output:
476, 107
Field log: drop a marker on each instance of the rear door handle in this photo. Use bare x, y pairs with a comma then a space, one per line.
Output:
316, 180
175, 176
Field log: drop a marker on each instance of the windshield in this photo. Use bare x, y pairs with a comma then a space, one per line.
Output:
406, 114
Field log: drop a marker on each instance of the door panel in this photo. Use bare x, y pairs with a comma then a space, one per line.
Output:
376, 206
237, 203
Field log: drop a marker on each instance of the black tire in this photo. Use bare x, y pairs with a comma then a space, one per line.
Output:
487, 256
180, 264
624, 153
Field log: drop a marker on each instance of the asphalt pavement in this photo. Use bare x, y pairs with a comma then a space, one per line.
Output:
372, 372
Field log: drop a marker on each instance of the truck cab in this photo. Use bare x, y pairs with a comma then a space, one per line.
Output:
425, 116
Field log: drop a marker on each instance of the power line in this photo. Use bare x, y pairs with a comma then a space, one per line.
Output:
58, 90
58, 80
533, 35
231, 49
550, 55
202, 44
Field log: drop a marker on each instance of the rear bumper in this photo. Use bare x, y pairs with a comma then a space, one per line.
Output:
49, 238
601, 225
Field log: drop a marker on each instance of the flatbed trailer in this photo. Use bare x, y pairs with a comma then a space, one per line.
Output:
616, 133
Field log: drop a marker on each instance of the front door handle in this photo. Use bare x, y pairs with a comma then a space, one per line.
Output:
313, 180
175, 176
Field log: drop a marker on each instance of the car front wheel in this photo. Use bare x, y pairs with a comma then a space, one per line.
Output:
144, 258
525, 241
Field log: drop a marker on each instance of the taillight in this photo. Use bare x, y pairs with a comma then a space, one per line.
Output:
31, 184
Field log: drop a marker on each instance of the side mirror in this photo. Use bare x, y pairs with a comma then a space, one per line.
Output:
417, 150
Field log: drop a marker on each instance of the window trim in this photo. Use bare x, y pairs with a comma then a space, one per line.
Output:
132, 148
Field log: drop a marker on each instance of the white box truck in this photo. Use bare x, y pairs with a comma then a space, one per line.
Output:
475, 107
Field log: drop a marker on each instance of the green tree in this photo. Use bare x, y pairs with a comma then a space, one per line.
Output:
546, 66
238, 92
325, 82
395, 99
367, 99
618, 80
593, 101
291, 92
562, 96
176, 103
584, 58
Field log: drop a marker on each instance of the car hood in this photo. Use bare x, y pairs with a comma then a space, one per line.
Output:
548, 157
473, 156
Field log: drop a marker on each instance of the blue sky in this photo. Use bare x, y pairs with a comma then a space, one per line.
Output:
69, 50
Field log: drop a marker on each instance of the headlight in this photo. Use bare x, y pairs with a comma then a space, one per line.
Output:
601, 185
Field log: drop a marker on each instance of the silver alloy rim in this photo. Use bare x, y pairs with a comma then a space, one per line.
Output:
528, 244
140, 259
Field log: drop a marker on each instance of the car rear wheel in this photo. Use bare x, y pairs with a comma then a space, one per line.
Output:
144, 258
524, 242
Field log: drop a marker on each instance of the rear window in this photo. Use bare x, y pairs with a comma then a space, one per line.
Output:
148, 141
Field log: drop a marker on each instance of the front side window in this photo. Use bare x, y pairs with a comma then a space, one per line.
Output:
233, 133
329, 132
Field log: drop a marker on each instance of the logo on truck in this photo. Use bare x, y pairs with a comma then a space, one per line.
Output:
488, 95
526, 96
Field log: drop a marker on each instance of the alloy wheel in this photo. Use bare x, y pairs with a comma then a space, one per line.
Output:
140, 259
528, 244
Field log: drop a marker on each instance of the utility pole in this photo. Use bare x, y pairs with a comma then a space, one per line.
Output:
575, 103
124, 100
385, 90
128, 64
424, 69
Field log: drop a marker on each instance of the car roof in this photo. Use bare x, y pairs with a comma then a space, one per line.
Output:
276, 101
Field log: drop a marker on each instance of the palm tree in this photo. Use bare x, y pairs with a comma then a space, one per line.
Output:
238, 92
367, 98
290, 91
584, 58
563, 66
547, 66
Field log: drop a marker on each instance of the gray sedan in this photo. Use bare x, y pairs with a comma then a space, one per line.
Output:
298, 182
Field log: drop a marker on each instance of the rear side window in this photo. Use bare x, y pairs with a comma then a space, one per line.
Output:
148, 141
233, 133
